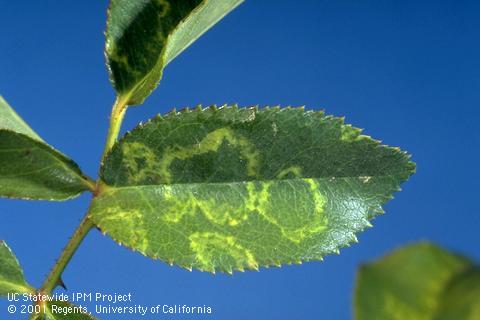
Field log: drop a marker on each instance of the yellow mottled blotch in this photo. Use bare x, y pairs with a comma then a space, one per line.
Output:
257, 196
148, 169
130, 221
294, 171
209, 246
260, 201
217, 211
210, 143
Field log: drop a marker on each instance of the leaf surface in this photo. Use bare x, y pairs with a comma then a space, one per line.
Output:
461, 298
30, 168
10, 120
144, 36
235, 189
417, 282
12, 279
232, 189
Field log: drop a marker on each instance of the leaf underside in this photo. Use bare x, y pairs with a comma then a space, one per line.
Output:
419, 282
144, 36
12, 279
232, 189
30, 168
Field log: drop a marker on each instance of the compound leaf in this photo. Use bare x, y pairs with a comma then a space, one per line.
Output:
30, 168
418, 282
12, 279
143, 36
232, 189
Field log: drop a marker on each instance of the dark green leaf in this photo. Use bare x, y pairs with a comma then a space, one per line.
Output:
241, 188
144, 36
31, 169
409, 284
11, 274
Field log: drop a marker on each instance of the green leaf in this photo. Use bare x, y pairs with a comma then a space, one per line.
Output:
10, 120
144, 36
235, 189
61, 310
11, 274
410, 283
30, 168
461, 298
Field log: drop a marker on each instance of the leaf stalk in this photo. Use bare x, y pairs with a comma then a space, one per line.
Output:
118, 113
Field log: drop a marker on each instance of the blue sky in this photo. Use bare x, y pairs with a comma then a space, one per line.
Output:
406, 71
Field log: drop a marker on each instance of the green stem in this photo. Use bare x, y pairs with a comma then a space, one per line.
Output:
116, 119
53, 278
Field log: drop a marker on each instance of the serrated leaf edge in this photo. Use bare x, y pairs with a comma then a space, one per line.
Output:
214, 108
373, 212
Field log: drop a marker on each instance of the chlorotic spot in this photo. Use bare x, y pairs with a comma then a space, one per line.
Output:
307, 223
132, 225
209, 247
141, 163
291, 172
